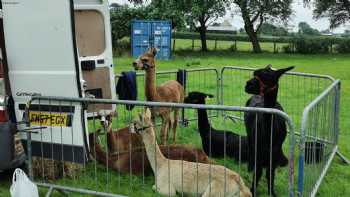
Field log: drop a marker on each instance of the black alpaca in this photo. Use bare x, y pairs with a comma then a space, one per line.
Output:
264, 87
213, 140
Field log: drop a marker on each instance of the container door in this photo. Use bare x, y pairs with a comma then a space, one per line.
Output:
92, 25
43, 60
141, 37
161, 33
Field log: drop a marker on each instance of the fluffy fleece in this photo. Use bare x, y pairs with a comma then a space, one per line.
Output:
187, 177
170, 91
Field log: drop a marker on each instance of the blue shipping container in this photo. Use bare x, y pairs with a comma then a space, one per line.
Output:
146, 34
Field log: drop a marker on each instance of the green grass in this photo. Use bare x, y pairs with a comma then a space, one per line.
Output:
337, 179
336, 182
186, 44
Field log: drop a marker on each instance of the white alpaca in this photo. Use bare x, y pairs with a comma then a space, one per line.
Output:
187, 177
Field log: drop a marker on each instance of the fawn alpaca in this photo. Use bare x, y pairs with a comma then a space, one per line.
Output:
170, 91
266, 133
186, 177
214, 141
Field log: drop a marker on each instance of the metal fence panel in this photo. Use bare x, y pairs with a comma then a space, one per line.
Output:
93, 176
316, 95
319, 137
296, 90
205, 80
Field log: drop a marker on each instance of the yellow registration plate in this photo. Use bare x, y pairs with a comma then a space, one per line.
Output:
50, 119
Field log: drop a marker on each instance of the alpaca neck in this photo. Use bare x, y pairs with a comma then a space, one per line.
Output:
154, 154
203, 122
270, 98
150, 87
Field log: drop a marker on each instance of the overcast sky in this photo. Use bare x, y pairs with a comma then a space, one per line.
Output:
301, 14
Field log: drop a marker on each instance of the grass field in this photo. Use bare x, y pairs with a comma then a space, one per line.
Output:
184, 44
337, 180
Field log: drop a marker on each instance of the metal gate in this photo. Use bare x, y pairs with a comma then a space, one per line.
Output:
311, 102
92, 177
196, 79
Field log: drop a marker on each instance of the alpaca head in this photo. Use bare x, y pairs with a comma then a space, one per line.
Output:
106, 120
146, 60
265, 80
197, 97
142, 123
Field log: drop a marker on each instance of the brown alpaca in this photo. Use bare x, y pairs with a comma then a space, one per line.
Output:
170, 91
120, 141
183, 177
137, 160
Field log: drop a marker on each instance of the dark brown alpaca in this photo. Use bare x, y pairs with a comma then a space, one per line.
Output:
137, 159
170, 91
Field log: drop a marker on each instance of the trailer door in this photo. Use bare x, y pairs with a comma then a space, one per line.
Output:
92, 25
43, 60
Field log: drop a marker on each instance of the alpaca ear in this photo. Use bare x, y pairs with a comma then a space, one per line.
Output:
269, 67
113, 114
209, 96
153, 51
280, 72
147, 114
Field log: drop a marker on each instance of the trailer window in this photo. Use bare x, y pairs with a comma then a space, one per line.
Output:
90, 32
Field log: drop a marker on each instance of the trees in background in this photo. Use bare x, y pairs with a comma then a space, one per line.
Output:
197, 13
338, 11
272, 30
346, 33
167, 10
121, 17
202, 12
256, 12
306, 29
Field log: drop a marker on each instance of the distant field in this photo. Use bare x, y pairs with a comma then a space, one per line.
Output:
184, 44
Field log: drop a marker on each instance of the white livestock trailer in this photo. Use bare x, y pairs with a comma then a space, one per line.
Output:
58, 48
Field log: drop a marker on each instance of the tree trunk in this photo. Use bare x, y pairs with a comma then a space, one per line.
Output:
253, 38
249, 28
202, 32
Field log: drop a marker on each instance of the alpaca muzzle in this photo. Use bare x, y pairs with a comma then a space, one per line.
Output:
133, 128
146, 66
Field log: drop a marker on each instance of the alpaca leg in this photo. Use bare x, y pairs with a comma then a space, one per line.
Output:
170, 123
163, 130
112, 142
176, 120
270, 177
256, 178
215, 189
165, 189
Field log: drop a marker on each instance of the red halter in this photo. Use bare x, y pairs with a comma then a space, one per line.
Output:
263, 86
